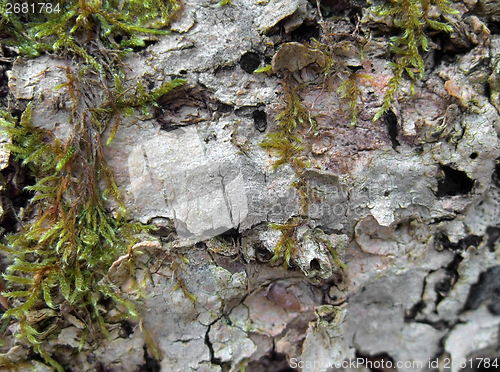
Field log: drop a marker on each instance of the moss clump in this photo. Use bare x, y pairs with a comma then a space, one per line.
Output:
412, 18
71, 25
60, 256
293, 123
285, 142
288, 240
349, 90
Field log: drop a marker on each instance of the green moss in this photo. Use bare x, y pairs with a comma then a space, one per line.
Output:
332, 250
288, 240
335, 69
349, 90
411, 17
77, 22
293, 124
60, 257
267, 69
288, 243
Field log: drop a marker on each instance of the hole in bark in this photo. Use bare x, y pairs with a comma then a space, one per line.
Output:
329, 7
186, 105
232, 236
412, 313
473, 156
446, 284
223, 108
487, 89
354, 69
260, 120
493, 234
151, 365
201, 245
451, 47
262, 254
165, 228
15, 196
305, 32
249, 62
486, 290
454, 182
346, 9
9, 223
126, 330
273, 361
494, 27
314, 264
4, 80
447, 58
391, 122
444, 242
496, 173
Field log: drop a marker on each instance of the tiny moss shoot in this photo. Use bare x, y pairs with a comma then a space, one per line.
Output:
350, 91
288, 241
224, 3
267, 69
285, 142
336, 68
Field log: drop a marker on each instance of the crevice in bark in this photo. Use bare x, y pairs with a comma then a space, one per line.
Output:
493, 234
151, 364
443, 242
272, 361
486, 290
213, 359
391, 123
496, 173
444, 286
454, 182
250, 61
260, 120
305, 32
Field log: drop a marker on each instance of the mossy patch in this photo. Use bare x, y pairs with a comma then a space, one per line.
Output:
60, 256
